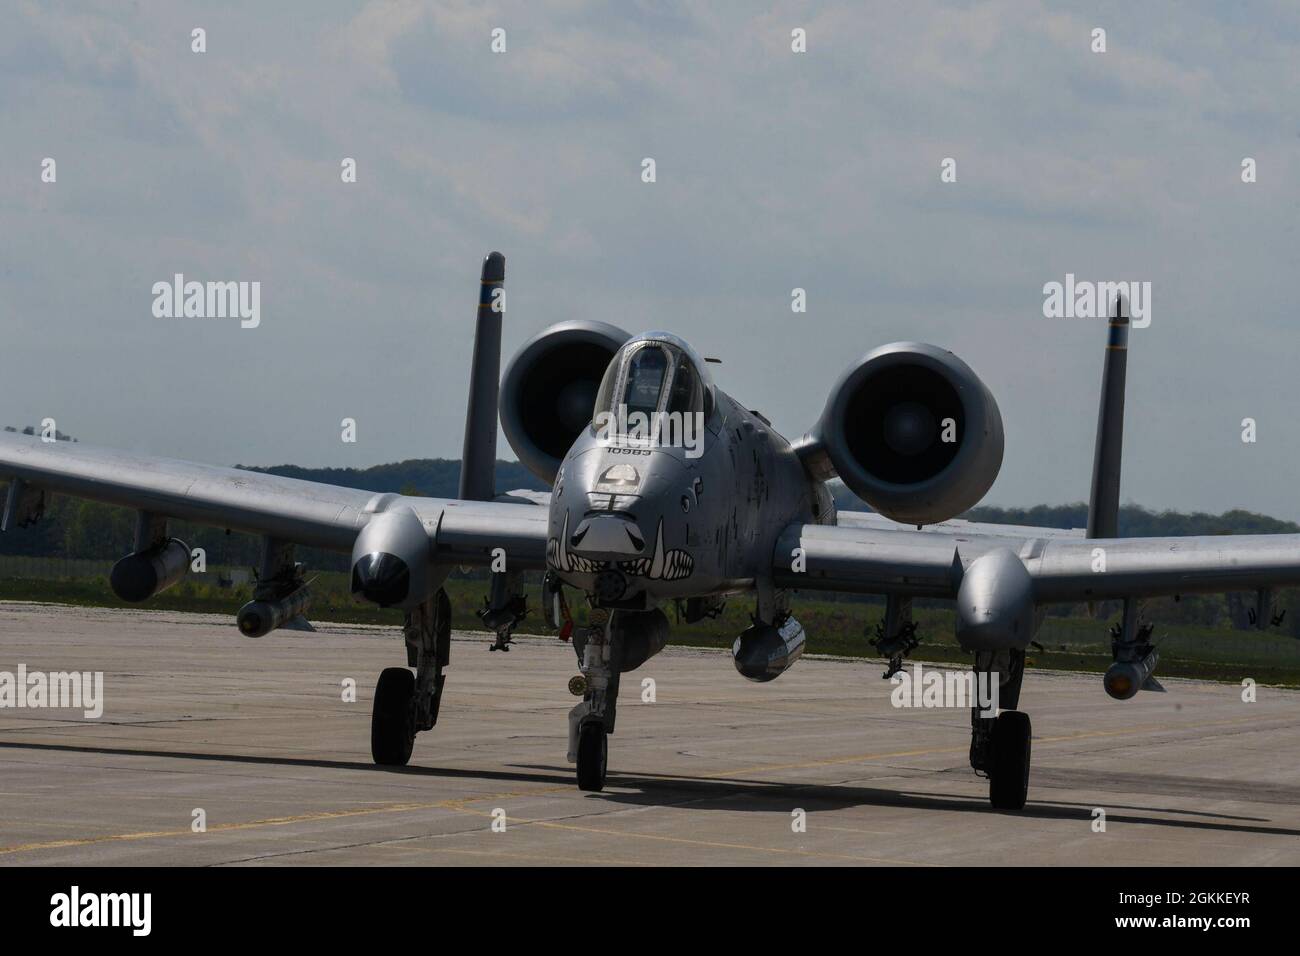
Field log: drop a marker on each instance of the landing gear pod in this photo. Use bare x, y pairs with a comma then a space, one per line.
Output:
142, 574
764, 652
259, 618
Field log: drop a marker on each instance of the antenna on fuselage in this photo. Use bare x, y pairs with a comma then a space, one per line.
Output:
478, 458
1103, 504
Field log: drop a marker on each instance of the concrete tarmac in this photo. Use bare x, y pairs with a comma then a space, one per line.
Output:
256, 735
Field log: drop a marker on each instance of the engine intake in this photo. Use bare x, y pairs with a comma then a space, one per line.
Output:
549, 391
912, 431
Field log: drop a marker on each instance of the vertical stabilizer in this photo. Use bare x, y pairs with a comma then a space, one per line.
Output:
478, 458
1103, 504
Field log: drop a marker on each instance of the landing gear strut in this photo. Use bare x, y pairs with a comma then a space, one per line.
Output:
1000, 745
407, 703
592, 721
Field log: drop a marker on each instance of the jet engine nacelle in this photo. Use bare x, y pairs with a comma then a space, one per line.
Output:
142, 574
548, 393
912, 431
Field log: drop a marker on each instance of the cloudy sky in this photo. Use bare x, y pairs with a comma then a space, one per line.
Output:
775, 170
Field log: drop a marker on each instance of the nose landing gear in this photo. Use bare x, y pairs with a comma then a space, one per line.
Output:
593, 755
592, 721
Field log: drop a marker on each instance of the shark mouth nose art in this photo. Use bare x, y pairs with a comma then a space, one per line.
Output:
614, 535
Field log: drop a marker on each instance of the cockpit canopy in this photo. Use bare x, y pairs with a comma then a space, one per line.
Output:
655, 372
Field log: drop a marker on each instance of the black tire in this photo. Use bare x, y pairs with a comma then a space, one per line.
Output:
593, 756
1009, 766
391, 733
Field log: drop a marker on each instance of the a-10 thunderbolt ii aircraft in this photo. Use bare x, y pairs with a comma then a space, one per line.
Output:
715, 506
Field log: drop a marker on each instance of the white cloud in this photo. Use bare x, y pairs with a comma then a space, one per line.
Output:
775, 170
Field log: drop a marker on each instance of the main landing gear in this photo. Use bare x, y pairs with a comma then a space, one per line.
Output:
1000, 745
1000, 742
407, 703
592, 721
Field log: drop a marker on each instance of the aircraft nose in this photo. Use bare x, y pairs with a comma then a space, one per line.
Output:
608, 534
381, 578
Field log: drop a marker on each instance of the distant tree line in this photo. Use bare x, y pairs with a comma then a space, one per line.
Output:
1134, 521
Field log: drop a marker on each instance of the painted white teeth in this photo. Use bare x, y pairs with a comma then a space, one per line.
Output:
662, 565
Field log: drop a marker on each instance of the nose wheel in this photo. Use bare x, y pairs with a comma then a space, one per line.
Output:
392, 730
593, 755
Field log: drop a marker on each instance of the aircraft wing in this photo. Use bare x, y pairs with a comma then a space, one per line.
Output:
1063, 567
303, 512
870, 519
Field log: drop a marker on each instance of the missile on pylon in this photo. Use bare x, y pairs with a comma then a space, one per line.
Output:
258, 618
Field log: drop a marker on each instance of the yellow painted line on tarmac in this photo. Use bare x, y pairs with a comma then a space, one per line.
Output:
543, 858
712, 844
726, 846
315, 816
216, 828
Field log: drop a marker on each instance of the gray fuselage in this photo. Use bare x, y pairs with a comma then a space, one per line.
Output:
678, 522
